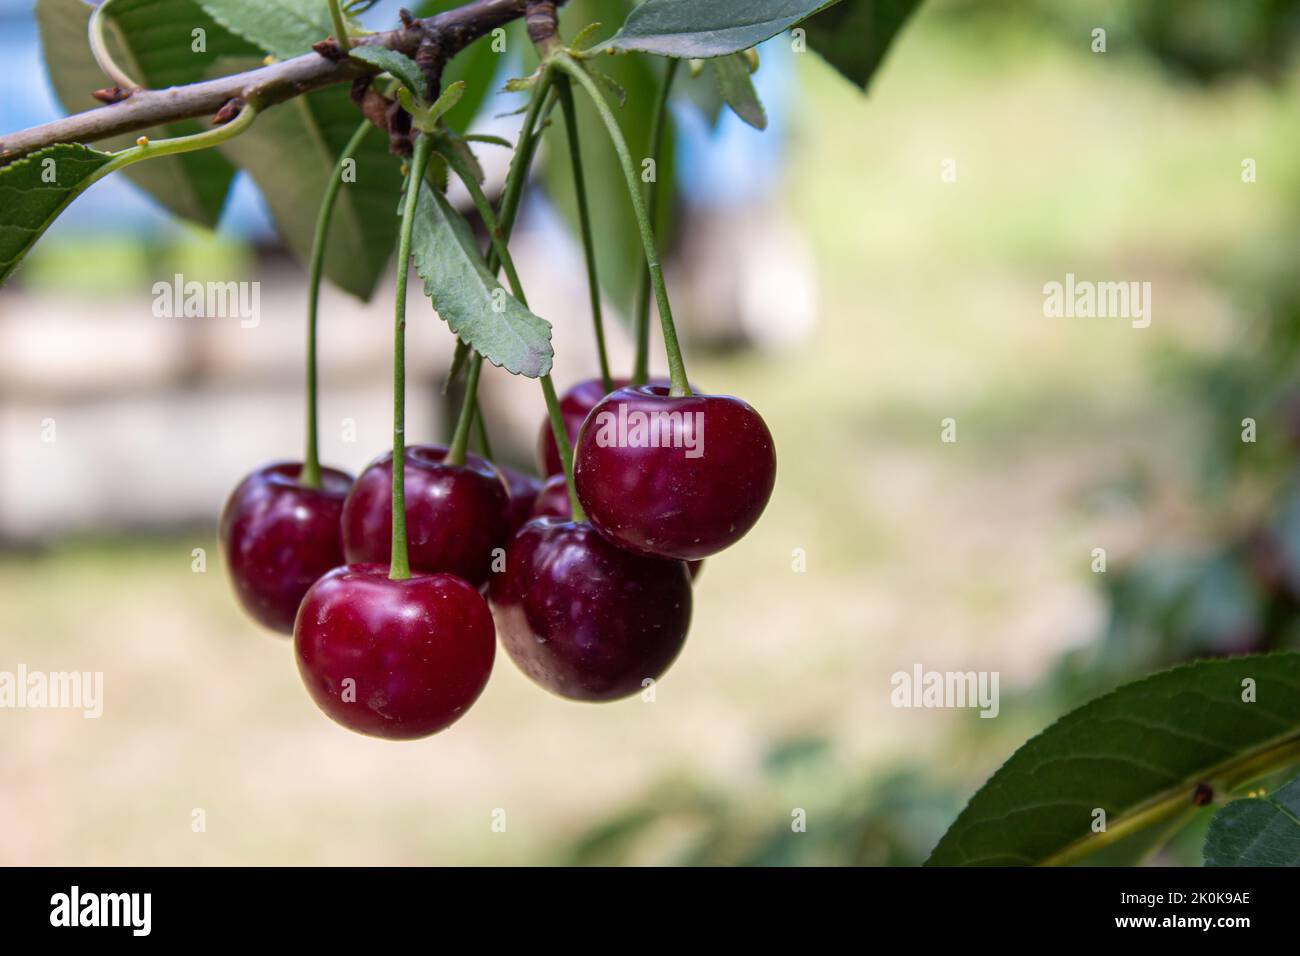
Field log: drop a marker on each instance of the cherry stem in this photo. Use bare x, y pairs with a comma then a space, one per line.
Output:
641, 368
564, 91
562, 445
310, 476
340, 27
399, 562
676, 366
480, 433
460, 438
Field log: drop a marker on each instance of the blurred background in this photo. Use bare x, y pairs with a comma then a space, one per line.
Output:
860, 271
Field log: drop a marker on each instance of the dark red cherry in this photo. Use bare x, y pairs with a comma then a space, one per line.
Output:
455, 514
523, 495
553, 502
674, 477
395, 659
278, 536
585, 619
574, 406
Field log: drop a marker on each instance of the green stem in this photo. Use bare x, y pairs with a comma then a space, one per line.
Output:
562, 444
311, 461
519, 165
564, 90
340, 26
399, 561
641, 368
676, 366
1224, 778
481, 434
99, 49
500, 253
468, 406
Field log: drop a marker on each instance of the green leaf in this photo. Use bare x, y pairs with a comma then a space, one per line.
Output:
1257, 831
283, 28
468, 298
153, 41
1138, 754
854, 35
732, 74
35, 189
401, 66
688, 28
291, 151
618, 242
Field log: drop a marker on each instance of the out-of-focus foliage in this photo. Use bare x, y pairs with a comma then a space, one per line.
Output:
809, 809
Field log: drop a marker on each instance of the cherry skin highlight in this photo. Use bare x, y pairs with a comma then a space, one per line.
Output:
574, 406
553, 502
523, 490
455, 514
673, 476
278, 536
584, 619
394, 659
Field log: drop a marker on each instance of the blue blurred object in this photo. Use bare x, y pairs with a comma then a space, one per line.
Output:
733, 162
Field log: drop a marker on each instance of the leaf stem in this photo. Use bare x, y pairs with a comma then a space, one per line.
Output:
676, 365
311, 460
340, 27
564, 90
641, 368
1226, 777
99, 49
399, 561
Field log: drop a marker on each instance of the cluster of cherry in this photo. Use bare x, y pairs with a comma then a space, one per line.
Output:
591, 609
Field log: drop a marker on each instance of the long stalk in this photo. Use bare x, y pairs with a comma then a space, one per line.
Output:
311, 459
641, 368
676, 365
399, 561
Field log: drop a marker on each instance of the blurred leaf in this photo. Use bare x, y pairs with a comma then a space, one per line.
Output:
291, 151
854, 35
152, 41
283, 28
401, 66
737, 89
1144, 747
468, 298
617, 241
30, 200
1257, 831
687, 28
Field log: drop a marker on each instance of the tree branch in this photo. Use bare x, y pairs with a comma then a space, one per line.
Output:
448, 32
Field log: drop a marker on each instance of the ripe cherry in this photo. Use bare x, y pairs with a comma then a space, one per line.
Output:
553, 502
574, 406
395, 659
523, 496
278, 536
455, 514
585, 619
673, 476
